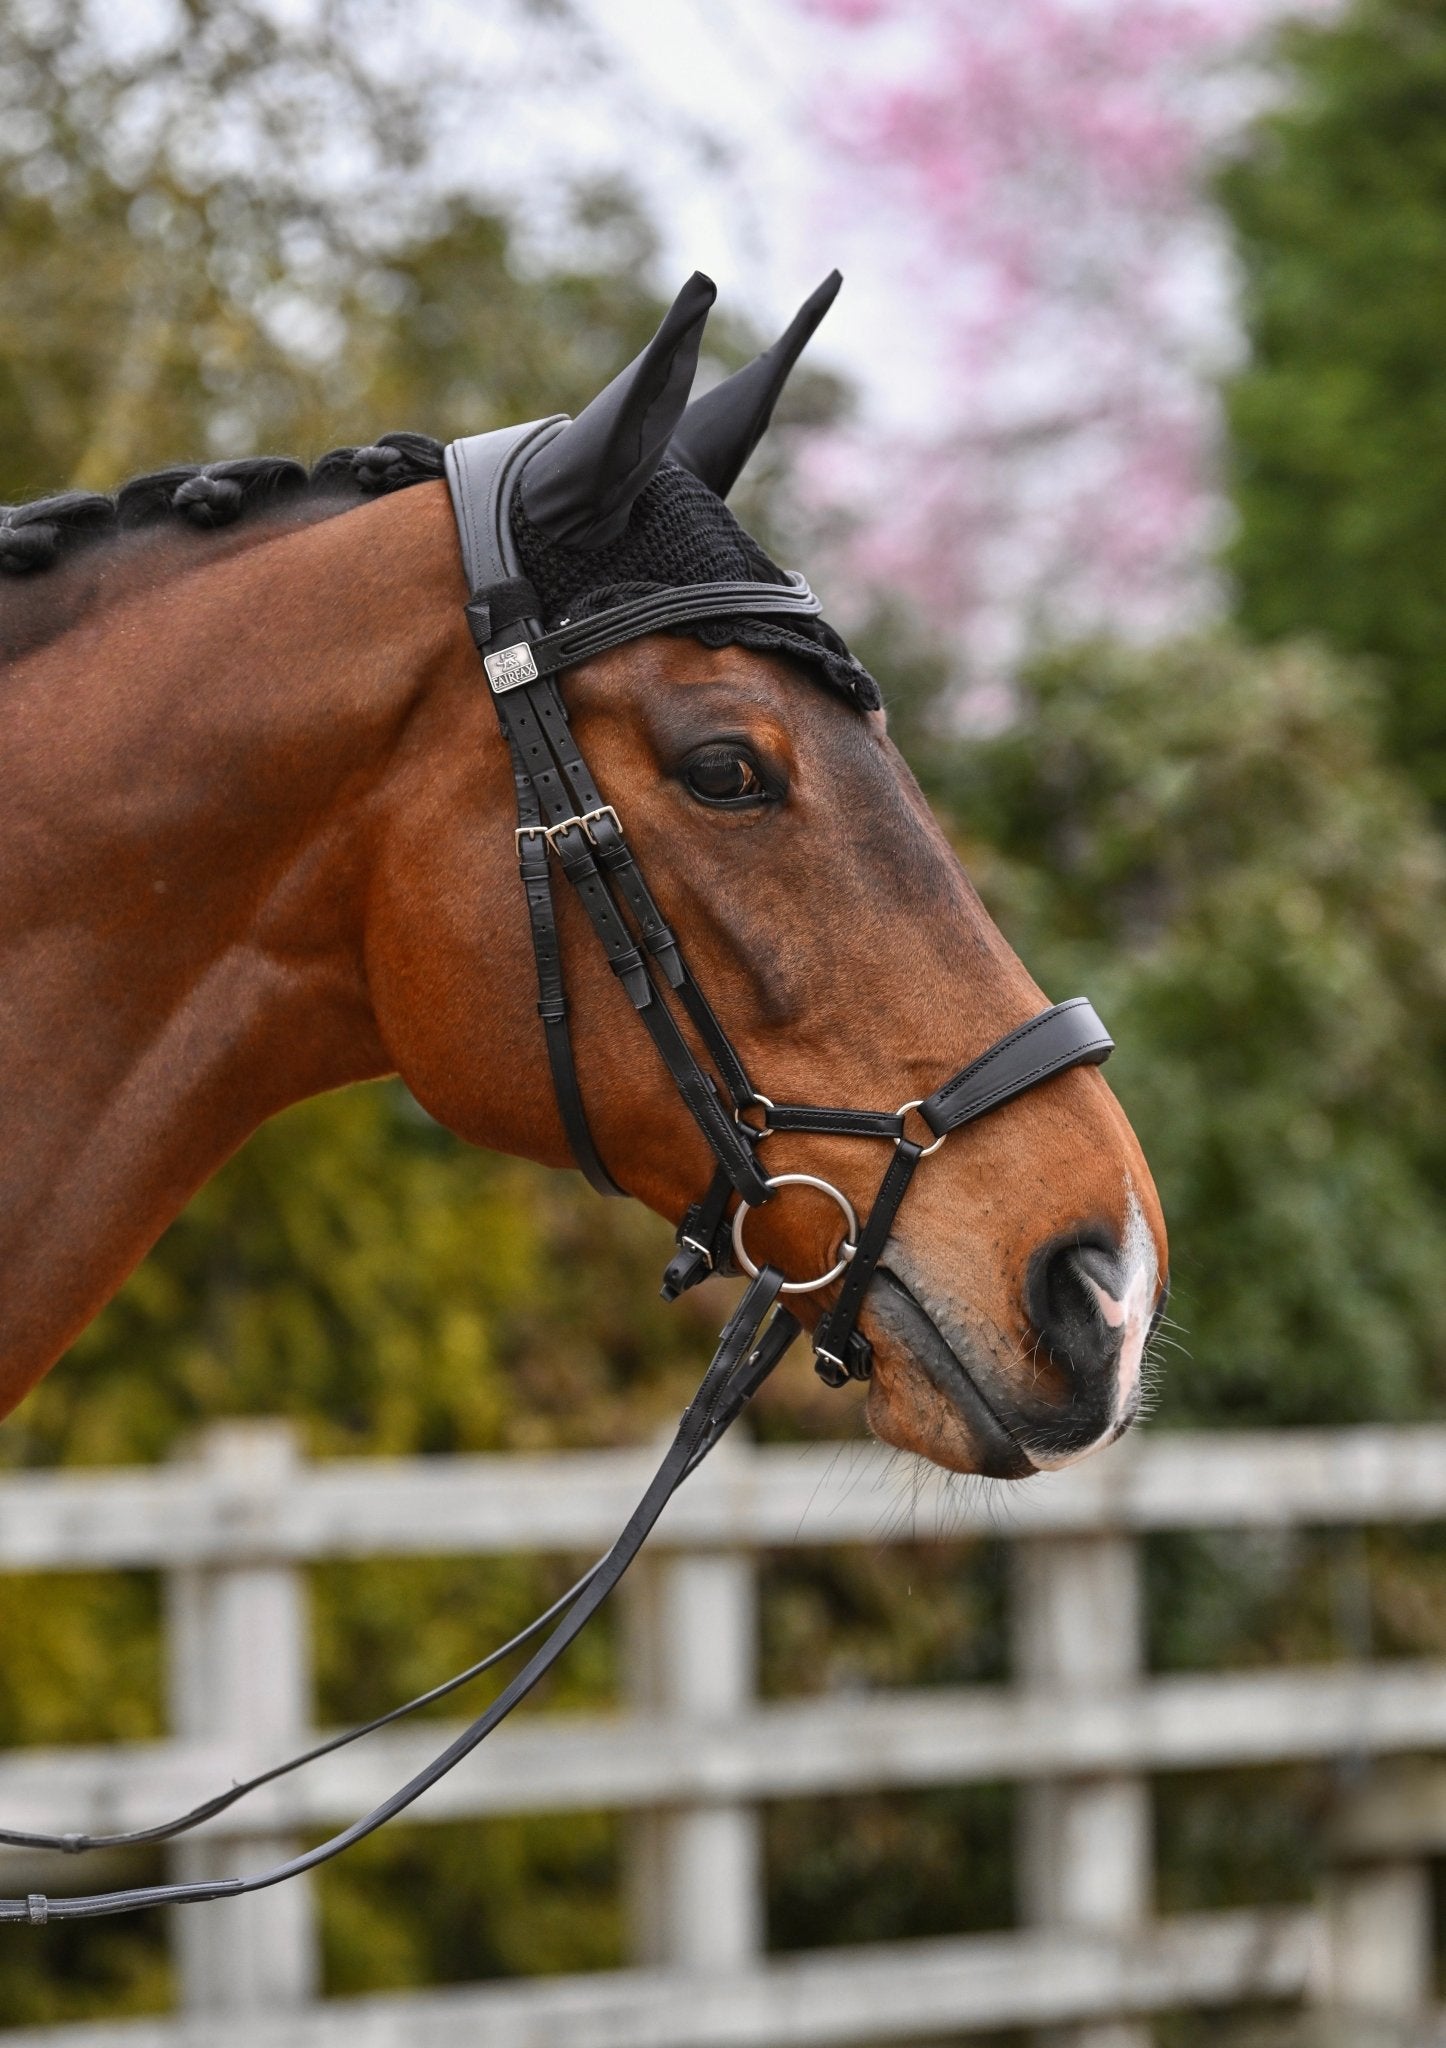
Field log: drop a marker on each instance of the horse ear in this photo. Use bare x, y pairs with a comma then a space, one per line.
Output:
580, 487
721, 430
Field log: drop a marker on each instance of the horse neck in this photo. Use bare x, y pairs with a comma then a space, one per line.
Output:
193, 772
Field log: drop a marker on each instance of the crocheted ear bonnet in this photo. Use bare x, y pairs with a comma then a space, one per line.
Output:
681, 532
627, 500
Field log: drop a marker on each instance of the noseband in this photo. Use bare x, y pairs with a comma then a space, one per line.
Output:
561, 814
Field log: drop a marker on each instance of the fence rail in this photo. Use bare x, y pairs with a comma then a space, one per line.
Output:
907, 1991
566, 1762
222, 1511
1081, 1727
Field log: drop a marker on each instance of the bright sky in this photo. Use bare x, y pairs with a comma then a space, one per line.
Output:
709, 108
755, 70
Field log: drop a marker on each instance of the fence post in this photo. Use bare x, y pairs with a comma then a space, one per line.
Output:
1085, 1849
1378, 1960
695, 1873
239, 1669
1377, 1972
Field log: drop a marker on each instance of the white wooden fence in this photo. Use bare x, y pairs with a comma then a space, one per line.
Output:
1080, 1726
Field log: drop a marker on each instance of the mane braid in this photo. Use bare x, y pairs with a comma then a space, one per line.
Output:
205, 496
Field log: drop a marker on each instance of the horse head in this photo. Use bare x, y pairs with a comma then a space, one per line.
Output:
254, 741
743, 766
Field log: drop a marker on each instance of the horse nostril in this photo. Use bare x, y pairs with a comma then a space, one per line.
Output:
1077, 1304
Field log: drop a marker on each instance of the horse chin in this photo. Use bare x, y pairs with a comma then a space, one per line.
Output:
924, 1396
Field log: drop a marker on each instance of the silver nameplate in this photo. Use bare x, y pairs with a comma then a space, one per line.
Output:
510, 667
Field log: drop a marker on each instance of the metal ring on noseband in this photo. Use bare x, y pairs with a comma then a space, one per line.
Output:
763, 1130
846, 1249
903, 1111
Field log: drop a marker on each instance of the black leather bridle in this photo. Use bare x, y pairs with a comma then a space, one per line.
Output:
562, 815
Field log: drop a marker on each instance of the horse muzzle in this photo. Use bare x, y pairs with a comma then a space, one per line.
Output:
1009, 1407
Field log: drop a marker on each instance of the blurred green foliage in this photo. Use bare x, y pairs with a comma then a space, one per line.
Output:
1205, 838
1337, 422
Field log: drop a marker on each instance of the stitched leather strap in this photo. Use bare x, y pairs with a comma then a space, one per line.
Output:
555, 785
702, 1240
535, 868
833, 1361
542, 701
1069, 1035
835, 1123
536, 724
660, 609
481, 475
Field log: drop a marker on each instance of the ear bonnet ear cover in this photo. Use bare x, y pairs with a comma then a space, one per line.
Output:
603, 514
720, 430
580, 488
680, 532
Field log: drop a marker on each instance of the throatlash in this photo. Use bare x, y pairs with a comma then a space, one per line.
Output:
578, 536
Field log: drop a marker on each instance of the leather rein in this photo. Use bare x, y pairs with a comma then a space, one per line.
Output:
562, 815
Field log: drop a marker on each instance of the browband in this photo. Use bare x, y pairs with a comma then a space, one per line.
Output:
657, 611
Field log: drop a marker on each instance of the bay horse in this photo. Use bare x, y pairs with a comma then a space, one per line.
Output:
258, 843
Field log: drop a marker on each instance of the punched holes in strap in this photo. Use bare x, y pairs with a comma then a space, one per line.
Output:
532, 861
536, 723
609, 846
504, 610
613, 853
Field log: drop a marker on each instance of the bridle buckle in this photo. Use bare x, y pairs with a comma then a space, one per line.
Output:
830, 1367
586, 819
603, 811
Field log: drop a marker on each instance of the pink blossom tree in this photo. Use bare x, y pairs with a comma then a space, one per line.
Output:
1042, 169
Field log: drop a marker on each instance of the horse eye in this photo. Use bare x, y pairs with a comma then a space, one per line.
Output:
724, 775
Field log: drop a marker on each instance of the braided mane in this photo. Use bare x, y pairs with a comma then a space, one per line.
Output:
201, 497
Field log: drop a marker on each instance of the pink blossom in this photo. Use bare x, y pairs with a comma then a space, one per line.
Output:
1045, 165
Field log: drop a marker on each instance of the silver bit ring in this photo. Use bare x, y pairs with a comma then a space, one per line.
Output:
846, 1249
